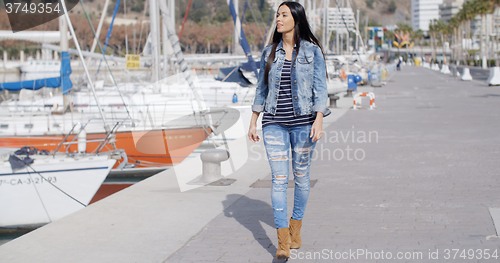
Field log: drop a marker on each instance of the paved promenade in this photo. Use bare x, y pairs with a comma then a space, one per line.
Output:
415, 178
424, 182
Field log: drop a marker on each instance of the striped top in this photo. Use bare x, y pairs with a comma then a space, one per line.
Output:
284, 108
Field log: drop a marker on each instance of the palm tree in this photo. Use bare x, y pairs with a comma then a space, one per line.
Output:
482, 7
389, 35
454, 25
489, 7
469, 14
443, 29
407, 30
464, 16
496, 6
432, 32
462, 19
419, 35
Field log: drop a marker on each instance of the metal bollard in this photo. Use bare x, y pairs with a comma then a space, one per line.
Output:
333, 100
211, 164
349, 93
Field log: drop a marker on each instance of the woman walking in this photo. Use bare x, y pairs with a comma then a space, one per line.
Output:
292, 93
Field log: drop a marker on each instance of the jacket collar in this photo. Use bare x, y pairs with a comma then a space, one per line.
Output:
280, 45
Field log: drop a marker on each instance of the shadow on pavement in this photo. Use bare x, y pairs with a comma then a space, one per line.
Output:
251, 213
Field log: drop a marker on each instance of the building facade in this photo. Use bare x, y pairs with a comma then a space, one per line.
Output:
424, 11
449, 9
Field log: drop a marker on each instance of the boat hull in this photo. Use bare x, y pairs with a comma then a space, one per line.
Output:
49, 189
154, 148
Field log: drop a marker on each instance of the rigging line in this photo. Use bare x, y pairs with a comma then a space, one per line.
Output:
256, 24
109, 33
253, 16
126, 30
358, 33
244, 11
82, 59
185, 18
39, 197
229, 74
347, 28
261, 19
43, 178
105, 60
268, 27
142, 26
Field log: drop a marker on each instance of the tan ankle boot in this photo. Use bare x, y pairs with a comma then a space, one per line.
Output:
283, 243
295, 226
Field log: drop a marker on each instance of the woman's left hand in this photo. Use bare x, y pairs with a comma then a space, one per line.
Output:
317, 129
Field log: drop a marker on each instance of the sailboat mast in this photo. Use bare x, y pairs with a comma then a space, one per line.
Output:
272, 26
99, 27
164, 36
153, 10
91, 84
171, 6
326, 4
237, 27
313, 11
177, 52
63, 29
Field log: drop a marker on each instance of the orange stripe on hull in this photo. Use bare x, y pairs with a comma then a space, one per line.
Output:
155, 148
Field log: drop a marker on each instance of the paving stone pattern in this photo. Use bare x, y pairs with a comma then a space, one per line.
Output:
423, 183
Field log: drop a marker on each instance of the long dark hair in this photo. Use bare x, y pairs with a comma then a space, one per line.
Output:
302, 31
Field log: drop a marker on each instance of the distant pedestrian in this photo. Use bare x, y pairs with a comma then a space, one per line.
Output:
398, 66
293, 94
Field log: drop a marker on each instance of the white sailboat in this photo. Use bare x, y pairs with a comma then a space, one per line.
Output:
40, 66
48, 187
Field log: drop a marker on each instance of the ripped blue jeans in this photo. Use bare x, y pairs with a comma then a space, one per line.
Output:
278, 140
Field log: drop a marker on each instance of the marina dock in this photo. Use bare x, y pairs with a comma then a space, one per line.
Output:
418, 177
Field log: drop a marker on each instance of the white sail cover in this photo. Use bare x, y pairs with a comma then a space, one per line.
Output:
33, 36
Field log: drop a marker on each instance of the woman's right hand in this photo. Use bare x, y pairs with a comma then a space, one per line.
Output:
252, 133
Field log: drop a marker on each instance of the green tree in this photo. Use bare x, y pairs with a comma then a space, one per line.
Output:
197, 15
222, 16
483, 7
432, 32
443, 29
111, 8
419, 35
138, 6
369, 3
405, 29
392, 7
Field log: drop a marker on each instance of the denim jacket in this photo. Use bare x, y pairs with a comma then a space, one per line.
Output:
309, 90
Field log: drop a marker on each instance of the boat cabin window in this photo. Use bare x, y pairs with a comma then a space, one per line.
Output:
28, 125
56, 125
4, 126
